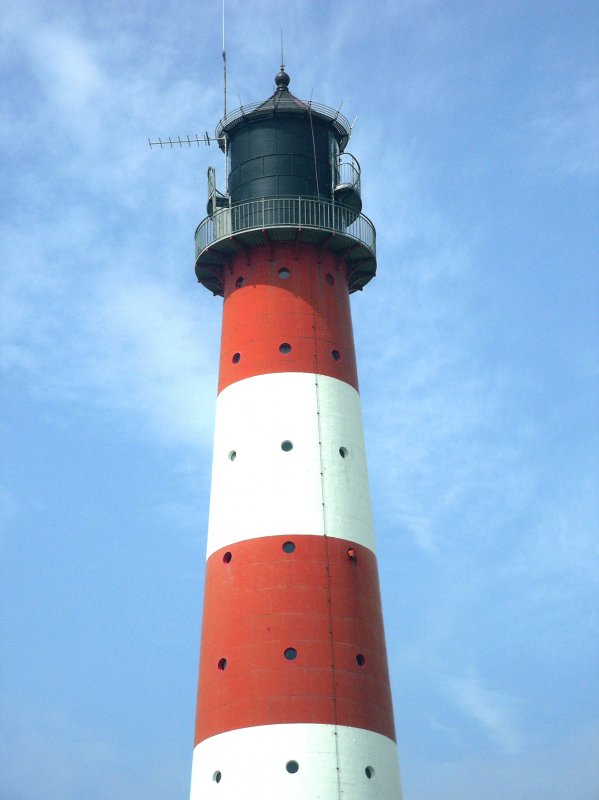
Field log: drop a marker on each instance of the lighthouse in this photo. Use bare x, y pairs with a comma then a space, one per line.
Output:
294, 698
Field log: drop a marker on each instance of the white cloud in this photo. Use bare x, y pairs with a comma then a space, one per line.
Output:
143, 351
493, 711
66, 66
568, 130
110, 337
65, 63
560, 557
566, 767
92, 309
137, 345
438, 417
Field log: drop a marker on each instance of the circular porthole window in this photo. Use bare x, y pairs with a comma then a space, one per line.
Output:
286, 445
290, 653
239, 282
335, 354
222, 664
284, 273
232, 455
329, 279
343, 452
227, 557
292, 767
285, 348
369, 772
360, 660
288, 547
236, 358
217, 776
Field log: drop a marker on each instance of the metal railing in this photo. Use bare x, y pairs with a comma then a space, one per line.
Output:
289, 104
285, 212
348, 171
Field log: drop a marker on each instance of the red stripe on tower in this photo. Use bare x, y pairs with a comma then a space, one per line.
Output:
294, 698
288, 307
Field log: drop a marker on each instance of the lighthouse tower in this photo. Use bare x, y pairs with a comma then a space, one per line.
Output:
294, 699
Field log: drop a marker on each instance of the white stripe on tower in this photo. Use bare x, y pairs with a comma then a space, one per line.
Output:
261, 489
252, 763
294, 698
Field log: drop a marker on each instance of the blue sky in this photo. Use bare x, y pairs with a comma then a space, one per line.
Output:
477, 133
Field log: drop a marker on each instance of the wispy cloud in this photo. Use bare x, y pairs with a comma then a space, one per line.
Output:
66, 66
128, 343
560, 557
92, 312
568, 130
565, 767
439, 415
493, 711
144, 351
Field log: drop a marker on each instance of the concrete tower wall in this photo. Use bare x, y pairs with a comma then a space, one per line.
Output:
294, 698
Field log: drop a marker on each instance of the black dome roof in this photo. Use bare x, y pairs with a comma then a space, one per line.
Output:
283, 103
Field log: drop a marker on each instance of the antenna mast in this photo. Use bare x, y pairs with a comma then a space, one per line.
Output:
224, 62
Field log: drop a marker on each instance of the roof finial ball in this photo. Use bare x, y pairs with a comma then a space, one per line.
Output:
282, 79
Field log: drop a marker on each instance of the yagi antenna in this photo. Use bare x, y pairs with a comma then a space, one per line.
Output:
205, 139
